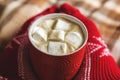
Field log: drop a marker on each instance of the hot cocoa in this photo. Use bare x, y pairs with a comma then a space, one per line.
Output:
57, 36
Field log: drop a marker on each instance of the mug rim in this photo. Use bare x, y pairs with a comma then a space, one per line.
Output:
54, 15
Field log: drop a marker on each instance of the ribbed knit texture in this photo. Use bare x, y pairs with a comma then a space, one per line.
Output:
98, 64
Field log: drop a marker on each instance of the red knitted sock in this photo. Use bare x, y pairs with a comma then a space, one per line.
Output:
98, 63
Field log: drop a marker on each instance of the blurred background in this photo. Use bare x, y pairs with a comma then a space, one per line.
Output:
105, 14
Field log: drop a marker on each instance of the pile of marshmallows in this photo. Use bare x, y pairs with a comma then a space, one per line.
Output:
57, 36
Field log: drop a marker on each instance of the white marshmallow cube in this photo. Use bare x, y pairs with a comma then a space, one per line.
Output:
70, 49
57, 48
43, 47
37, 43
39, 34
75, 28
35, 29
48, 24
62, 25
57, 35
74, 39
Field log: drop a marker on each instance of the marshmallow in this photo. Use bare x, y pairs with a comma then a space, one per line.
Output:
62, 25
35, 29
37, 43
43, 47
57, 48
74, 39
48, 24
57, 35
70, 48
76, 28
39, 34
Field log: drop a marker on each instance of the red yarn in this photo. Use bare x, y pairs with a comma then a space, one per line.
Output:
98, 64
